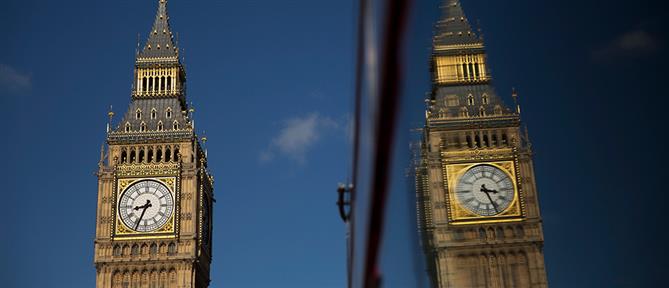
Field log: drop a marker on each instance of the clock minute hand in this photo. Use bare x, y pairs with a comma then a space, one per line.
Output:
486, 191
145, 206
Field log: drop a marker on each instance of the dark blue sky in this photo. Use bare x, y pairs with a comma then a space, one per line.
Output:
271, 82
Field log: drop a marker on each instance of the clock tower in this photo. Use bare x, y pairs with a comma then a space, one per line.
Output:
155, 193
477, 196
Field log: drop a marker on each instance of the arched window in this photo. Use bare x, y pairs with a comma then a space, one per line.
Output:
162, 83
117, 250
124, 156
481, 111
485, 98
168, 155
135, 250
500, 233
494, 139
504, 139
126, 250
159, 155
144, 84
477, 140
470, 99
138, 113
482, 234
150, 83
471, 71
155, 87
175, 125
469, 142
486, 143
168, 112
160, 125
169, 83
127, 127
149, 157
142, 127
132, 156
153, 113
172, 249
141, 156
153, 249
464, 112
176, 154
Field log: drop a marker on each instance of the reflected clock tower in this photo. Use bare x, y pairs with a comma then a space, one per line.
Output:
477, 196
155, 194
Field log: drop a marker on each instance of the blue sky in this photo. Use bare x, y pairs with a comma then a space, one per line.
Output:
271, 82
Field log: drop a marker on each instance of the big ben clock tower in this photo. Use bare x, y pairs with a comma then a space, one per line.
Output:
155, 193
477, 196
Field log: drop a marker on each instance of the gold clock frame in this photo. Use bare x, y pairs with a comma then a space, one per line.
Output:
126, 175
459, 215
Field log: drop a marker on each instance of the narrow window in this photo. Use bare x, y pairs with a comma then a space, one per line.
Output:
504, 139
481, 111
159, 155
127, 127
168, 155
471, 71
144, 84
149, 157
470, 99
464, 69
169, 83
141, 156
153, 249
176, 154
477, 140
485, 98
494, 139
117, 250
476, 69
469, 142
162, 83
485, 140
153, 113
160, 126
124, 156
135, 249
150, 83
175, 125
138, 114
132, 156
142, 127
168, 113
172, 249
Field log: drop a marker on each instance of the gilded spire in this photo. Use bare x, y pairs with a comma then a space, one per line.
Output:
453, 28
160, 43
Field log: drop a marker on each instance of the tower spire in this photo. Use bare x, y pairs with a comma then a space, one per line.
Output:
160, 43
453, 28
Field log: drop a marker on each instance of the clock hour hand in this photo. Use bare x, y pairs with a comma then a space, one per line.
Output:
487, 193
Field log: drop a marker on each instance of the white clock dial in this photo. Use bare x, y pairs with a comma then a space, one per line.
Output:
485, 190
146, 206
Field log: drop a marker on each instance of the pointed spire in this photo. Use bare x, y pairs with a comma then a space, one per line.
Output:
454, 28
160, 42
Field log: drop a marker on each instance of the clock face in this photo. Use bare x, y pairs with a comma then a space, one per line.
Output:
485, 190
146, 206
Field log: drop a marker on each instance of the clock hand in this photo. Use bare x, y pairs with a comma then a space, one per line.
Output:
486, 191
145, 206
